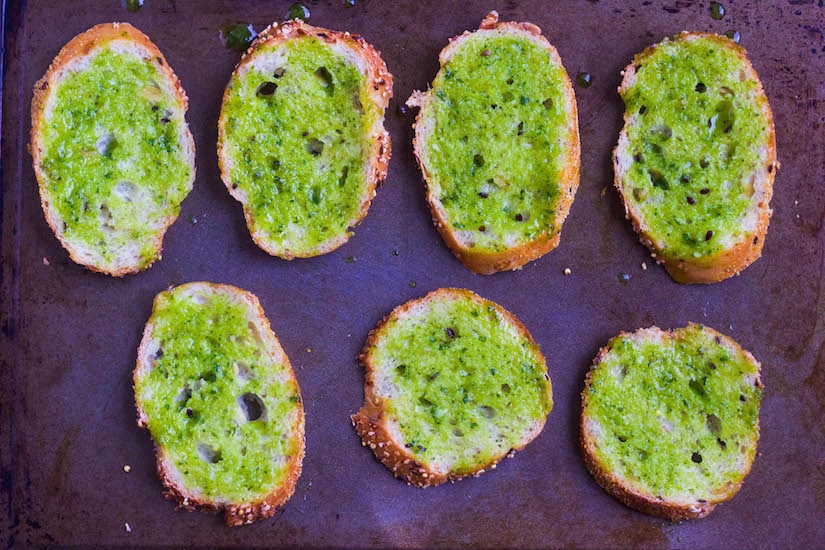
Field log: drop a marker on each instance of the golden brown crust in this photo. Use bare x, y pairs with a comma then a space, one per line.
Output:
239, 513
371, 423
80, 46
748, 249
488, 262
622, 489
379, 84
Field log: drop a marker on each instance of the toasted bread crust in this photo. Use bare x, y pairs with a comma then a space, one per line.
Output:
622, 489
488, 262
379, 84
80, 46
729, 262
371, 423
235, 513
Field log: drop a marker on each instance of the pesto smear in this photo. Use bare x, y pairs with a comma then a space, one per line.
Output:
468, 384
215, 401
298, 126
112, 158
697, 136
676, 418
500, 117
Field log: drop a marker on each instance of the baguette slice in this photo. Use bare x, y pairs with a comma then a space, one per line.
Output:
497, 141
305, 179
112, 167
696, 159
453, 384
670, 419
216, 391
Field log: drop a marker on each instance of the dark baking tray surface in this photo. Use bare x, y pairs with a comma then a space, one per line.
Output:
70, 336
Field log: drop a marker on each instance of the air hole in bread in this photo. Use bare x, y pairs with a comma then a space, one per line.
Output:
548, 103
208, 453
697, 387
478, 160
343, 179
315, 147
696, 457
184, 395
714, 424
126, 191
324, 78
253, 330
279, 72
105, 215
487, 411
266, 89
505, 388
106, 144
252, 406
662, 131
356, 102
316, 194
243, 372
658, 180
722, 444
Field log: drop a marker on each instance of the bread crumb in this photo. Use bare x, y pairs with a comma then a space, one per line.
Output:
309, 350
567, 271
45, 261
604, 190
644, 266
128, 529
127, 468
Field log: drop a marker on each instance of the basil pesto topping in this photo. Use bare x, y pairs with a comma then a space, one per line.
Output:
500, 137
298, 128
112, 159
697, 133
676, 417
468, 386
216, 402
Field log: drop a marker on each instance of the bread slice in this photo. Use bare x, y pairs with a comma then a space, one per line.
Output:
453, 384
670, 419
696, 158
497, 140
217, 393
301, 139
113, 167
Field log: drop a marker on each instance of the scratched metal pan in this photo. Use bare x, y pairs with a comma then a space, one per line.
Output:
69, 336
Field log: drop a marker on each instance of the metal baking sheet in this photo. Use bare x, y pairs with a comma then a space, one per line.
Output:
69, 336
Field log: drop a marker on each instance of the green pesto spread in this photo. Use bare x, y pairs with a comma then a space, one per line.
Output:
677, 418
697, 136
500, 138
113, 162
469, 385
298, 136
214, 400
